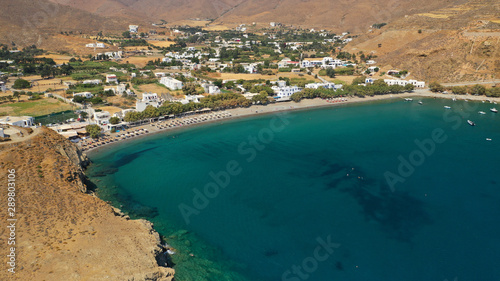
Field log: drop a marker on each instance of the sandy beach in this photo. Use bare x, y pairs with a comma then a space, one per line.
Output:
218, 116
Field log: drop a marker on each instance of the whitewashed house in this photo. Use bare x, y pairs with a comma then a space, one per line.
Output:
102, 118
111, 78
94, 81
3, 87
211, 89
415, 83
171, 83
323, 85
87, 95
284, 93
21, 121
148, 99
133, 28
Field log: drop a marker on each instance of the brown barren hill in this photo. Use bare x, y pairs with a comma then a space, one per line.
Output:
62, 232
454, 44
28, 22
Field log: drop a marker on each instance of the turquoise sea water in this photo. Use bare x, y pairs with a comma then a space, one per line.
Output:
285, 186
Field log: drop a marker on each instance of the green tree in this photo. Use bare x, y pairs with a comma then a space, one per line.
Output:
93, 130
358, 80
126, 34
151, 112
114, 120
478, 90
17, 95
189, 89
133, 116
21, 84
409, 87
436, 87
261, 98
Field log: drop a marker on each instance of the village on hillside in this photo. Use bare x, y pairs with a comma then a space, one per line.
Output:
149, 74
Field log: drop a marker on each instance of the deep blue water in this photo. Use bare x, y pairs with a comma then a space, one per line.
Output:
321, 175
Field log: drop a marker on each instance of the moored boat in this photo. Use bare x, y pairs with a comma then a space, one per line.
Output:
471, 123
494, 110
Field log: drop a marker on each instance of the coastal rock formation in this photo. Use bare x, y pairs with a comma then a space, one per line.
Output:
64, 233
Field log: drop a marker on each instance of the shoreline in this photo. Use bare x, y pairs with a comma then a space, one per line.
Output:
257, 110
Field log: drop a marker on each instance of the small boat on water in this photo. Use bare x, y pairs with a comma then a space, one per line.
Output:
447, 107
454, 99
488, 139
471, 123
408, 99
420, 102
494, 110
482, 112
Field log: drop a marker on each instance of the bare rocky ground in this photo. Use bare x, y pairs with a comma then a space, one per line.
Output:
63, 232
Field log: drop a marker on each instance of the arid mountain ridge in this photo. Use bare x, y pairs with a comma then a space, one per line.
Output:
452, 40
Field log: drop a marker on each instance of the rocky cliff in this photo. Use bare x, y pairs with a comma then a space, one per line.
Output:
62, 232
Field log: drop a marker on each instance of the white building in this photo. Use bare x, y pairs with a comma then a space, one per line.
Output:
211, 89
133, 28
392, 82
191, 98
148, 99
171, 83
121, 88
324, 85
415, 83
96, 45
322, 62
369, 81
111, 78
102, 118
160, 74
95, 82
87, 95
285, 92
3, 87
21, 121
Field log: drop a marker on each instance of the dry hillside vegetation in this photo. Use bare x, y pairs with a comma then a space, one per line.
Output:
449, 45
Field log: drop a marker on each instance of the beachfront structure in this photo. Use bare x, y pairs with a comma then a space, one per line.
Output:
415, 83
94, 81
133, 28
20, 121
102, 118
284, 93
148, 99
3, 87
211, 89
111, 78
191, 98
87, 95
171, 83
323, 85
